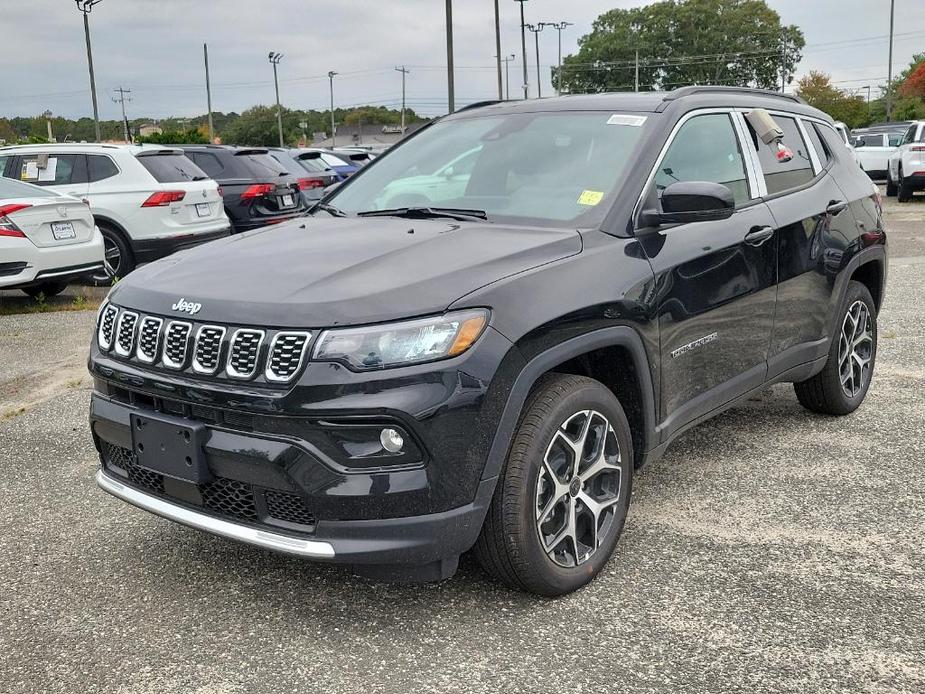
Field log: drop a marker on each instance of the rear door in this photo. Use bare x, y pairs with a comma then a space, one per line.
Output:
715, 280
62, 173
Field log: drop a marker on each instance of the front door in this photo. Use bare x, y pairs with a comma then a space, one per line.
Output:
716, 281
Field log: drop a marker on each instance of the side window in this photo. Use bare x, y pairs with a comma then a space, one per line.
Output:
784, 175
100, 167
821, 150
910, 135
53, 169
207, 162
6, 160
706, 149
921, 135
895, 139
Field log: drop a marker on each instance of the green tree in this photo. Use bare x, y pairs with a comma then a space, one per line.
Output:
817, 90
190, 136
681, 42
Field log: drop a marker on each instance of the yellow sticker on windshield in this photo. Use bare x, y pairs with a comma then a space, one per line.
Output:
590, 197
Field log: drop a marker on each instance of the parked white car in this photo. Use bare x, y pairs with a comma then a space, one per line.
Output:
873, 150
906, 169
148, 200
46, 239
843, 133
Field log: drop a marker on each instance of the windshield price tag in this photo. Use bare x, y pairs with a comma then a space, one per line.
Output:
623, 119
590, 197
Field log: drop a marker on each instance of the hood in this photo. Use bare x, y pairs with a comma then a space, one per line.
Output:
319, 272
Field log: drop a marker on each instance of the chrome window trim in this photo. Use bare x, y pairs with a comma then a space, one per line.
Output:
115, 337
268, 374
141, 356
106, 346
165, 359
199, 368
814, 158
229, 369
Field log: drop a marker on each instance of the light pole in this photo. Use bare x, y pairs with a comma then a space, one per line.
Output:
47, 114
536, 29
274, 60
404, 71
559, 27
498, 48
889, 68
205, 53
507, 74
331, 74
523, 46
86, 6
450, 82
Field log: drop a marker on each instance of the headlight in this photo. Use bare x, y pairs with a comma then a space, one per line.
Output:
408, 342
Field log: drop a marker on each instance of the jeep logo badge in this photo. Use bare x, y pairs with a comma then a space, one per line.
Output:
187, 306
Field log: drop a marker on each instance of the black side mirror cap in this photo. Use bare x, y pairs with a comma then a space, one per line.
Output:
685, 202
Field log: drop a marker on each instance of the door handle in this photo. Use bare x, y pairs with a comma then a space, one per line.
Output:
758, 235
835, 206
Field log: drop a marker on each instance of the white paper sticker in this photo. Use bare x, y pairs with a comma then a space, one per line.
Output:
49, 172
30, 171
624, 119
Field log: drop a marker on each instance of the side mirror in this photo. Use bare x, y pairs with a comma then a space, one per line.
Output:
685, 202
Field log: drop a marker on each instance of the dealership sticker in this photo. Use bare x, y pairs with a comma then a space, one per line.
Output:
590, 197
623, 119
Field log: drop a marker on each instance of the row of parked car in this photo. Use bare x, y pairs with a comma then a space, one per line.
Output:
892, 151
95, 211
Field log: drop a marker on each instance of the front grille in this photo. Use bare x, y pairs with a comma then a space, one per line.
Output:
149, 337
125, 333
288, 508
176, 341
245, 348
230, 498
107, 327
127, 460
208, 351
286, 355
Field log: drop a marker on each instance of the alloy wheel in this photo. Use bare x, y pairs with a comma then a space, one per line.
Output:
855, 349
112, 260
578, 489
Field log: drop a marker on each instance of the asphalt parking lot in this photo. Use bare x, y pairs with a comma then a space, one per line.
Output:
769, 550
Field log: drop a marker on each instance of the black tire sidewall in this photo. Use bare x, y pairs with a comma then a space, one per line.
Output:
855, 292
548, 577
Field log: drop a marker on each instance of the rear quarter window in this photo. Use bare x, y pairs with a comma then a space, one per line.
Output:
171, 168
816, 139
261, 165
780, 176
100, 167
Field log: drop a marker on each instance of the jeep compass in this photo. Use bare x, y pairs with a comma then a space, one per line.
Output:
481, 366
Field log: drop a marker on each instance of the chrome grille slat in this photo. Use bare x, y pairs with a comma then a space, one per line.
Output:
287, 351
176, 344
149, 339
125, 333
207, 352
244, 352
107, 327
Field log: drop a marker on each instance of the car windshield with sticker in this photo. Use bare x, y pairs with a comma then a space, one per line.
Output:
548, 169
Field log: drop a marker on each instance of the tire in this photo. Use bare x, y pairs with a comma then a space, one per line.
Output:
118, 256
46, 289
510, 547
904, 193
829, 391
891, 189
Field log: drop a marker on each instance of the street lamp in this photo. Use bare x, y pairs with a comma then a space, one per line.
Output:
86, 6
47, 114
558, 27
450, 72
523, 45
507, 75
331, 74
536, 29
404, 72
274, 59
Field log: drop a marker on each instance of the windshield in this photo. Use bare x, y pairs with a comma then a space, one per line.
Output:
551, 169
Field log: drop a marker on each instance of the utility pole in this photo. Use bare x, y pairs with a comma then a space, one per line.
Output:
274, 59
498, 47
47, 114
507, 75
331, 74
783, 61
205, 52
86, 6
523, 47
121, 100
450, 84
536, 29
636, 80
404, 71
889, 68
559, 27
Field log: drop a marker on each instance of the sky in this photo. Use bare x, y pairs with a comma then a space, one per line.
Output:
154, 48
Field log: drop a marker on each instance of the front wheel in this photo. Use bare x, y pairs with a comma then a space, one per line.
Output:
841, 386
561, 502
891, 189
117, 258
904, 192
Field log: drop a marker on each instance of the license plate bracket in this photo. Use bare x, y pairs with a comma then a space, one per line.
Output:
63, 231
203, 209
171, 446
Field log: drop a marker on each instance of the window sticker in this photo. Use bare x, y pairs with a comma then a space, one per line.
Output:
49, 173
624, 119
30, 171
590, 197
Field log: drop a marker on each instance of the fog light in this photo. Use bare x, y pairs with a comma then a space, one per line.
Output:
391, 440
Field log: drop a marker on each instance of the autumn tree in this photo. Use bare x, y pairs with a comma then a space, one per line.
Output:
817, 90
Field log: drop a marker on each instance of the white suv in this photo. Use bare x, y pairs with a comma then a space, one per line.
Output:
148, 200
906, 172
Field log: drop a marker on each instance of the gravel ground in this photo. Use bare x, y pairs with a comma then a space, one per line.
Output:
769, 550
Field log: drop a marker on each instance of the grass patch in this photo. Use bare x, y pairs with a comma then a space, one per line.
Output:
10, 306
74, 383
9, 414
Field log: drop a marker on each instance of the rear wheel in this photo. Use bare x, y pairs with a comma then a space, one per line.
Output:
890, 186
841, 386
561, 502
905, 189
117, 256
46, 289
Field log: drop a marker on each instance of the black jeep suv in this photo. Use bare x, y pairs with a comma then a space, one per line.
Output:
484, 369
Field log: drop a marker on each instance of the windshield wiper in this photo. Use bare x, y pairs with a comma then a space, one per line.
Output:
462, 215
330, 209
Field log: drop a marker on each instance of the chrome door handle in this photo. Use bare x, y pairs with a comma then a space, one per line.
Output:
758, 235
835, 206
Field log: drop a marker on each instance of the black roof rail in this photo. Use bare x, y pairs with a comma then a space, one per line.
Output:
707, 89
478, 104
